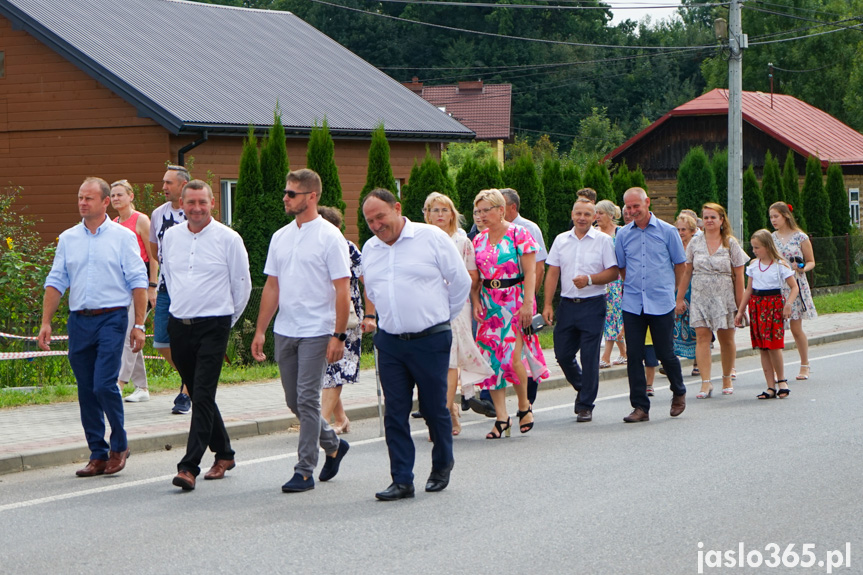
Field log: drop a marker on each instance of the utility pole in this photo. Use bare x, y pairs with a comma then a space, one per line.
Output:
737, 41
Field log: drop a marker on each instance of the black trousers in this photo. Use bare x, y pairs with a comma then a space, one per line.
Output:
580, 327
198, 351
662, 332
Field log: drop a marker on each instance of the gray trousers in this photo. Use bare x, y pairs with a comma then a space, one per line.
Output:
302, 364
132, 365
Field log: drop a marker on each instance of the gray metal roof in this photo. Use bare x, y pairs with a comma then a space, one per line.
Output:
192, 66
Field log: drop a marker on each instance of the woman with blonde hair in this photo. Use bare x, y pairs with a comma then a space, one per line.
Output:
504, 306
714, 265
465, 358
795, 247
607, 216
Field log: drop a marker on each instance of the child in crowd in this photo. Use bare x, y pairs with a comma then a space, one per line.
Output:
768, 310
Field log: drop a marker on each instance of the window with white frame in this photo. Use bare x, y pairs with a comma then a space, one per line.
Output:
229, 192
854, 205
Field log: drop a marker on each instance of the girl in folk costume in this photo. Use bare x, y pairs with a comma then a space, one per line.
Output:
768, 310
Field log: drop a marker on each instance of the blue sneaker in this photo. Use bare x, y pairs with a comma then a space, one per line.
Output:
297, 484
331, 465
182, 404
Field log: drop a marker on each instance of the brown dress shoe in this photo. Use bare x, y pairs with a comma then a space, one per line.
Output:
94, 467
116, 461
184, 480
584, 416
220, 466
678, 404
636, 416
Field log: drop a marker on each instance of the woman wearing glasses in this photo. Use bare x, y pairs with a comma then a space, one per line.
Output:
132, 367
464, 355
504, 306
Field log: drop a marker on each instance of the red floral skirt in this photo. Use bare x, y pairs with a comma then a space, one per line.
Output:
766, 326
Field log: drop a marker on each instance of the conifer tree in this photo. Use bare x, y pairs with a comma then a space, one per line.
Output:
472, 178
816, 206
620, 182
596, 176
719, 167
771, 181
840, 216
274, 172
428, 178
696, 184
320, 157
559, 198
791, 189
636, 180
378, 175
572, 178
248, 215
754, 212
521, 175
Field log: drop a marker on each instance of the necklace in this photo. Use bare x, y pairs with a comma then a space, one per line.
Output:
762, 270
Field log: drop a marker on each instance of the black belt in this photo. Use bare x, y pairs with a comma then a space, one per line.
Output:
445, 326
582, 299
90, 312
500, 284
766, 292
194, 320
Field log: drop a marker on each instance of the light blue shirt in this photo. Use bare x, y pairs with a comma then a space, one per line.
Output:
649, 257
100, 270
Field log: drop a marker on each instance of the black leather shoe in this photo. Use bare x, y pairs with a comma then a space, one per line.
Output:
438, 480
584, 416
417, 414
482, 407
465, 403
396, 491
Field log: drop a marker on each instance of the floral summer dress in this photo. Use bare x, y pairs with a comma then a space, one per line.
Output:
613, 311
347, 369
496, 336
712, 302
803, 307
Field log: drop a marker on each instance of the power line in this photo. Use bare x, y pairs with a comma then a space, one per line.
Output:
804, 37
832, 14
543, 6
505, 36
805, 19
805, 71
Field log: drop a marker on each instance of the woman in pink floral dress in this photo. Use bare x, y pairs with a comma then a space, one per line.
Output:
504, 306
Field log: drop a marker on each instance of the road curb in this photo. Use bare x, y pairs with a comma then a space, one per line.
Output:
17, 462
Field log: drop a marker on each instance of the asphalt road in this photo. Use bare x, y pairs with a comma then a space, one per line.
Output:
603, 497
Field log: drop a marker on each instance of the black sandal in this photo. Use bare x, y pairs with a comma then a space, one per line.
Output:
524, 427
766, 394
502, 427
783, 392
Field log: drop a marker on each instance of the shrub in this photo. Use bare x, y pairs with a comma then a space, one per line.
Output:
840, 217
696, 184
559, 198
791, 189
425, 179
719, 167
620, 182
379, 174
771, 181
320, 157
472, 178
522, 176
248, 217
754, 211
816, 206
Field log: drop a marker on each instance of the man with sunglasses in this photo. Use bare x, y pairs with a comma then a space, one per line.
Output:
308, 281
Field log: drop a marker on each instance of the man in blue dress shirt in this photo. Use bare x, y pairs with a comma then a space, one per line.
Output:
100, 264
651, 259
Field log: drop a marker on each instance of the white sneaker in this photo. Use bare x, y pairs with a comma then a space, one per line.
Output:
138, 395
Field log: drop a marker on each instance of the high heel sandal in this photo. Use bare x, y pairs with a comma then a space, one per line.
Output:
502, 427
766, 394
801, 376
782, 392
524, 427
730, 389
704, 394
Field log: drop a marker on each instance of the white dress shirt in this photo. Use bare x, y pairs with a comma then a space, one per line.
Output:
592, 254
207, 273
306, 259
536, 234
417, 282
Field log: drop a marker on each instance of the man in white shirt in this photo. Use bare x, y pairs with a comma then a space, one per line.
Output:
418, 283
583, 260
206, 269
308, 281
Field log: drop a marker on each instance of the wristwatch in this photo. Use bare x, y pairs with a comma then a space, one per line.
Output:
139, 326
153, 284
340, 336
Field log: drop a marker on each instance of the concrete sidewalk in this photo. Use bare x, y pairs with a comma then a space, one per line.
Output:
48, 435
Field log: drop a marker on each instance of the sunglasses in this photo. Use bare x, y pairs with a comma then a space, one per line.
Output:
292, 194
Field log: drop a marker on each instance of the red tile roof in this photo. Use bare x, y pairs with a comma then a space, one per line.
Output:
484, 108
800, 126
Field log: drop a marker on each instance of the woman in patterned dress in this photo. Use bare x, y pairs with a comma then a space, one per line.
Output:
465, 358
347, 369
795, 247
504, 306
714, 264
607, 215
684, 334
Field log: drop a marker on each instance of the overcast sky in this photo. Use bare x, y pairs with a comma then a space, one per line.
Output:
638, 9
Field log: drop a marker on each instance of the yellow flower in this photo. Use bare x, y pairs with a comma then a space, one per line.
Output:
10, 243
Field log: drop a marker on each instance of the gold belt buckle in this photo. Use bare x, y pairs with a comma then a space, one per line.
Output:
495, 284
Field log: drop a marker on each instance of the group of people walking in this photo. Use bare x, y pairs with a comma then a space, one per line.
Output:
653, 289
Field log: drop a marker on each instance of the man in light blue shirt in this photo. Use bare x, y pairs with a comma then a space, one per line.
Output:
99, 263
651, 259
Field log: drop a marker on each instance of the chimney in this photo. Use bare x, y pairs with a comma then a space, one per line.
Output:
468, 87
414, 85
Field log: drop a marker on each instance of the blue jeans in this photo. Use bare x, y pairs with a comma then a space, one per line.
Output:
161, 339
580, 327
662, 332
95, 352
401, 365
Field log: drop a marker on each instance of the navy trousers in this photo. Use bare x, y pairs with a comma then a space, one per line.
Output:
401, 365
580, 327
95, 353
661, 330
198, 351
